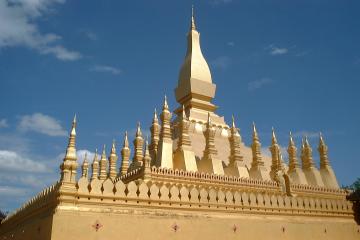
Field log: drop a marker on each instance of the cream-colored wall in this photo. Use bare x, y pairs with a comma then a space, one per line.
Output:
157, 224
37, 227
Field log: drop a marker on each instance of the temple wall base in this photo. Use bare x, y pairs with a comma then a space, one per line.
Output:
162, 224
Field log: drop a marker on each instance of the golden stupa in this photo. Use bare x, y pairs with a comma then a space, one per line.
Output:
196, 179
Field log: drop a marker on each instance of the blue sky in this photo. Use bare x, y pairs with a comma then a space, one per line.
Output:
293, 65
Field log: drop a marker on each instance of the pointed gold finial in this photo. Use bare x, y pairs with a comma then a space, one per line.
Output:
306, 142
73, 128
291, 140
138, 130
321, 139
126, 140
193, 27
147, 153
274, 140
165, 106
233, 121
155, 118
255, 134
113, 148
85, 166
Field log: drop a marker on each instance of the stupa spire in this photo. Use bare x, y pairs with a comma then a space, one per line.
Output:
210, 162
292, 151
306, 154
184, 139
276, 163
125, 155
323, 151
326, 171
195, 89
257, 169
138, 142
312, 174
69, 165
146, 162
155, 130
193, 27
103, 163
184, 157
138, 148
95, 166
235, 142
256, 148
164, 155
85, 167
113, 161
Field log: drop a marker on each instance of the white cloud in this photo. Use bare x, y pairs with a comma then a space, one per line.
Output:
221, 62
278, 51
18, 28
253, 85
3, 123
41, 123
106, 69
61, 53
12, 161
273, 50
12, 191
81, 155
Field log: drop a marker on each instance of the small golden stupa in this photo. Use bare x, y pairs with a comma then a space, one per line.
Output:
195, 179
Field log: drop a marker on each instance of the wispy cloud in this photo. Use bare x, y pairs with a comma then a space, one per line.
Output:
18, 28
10, 191
221, 62
256, 84
274, 50
106, 69
12, 161
41, 123
3, 123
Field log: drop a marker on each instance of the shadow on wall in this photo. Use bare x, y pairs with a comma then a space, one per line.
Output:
355, 198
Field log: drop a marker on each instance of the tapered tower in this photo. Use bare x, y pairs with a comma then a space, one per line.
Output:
258, 169
155, 130
113, 162
326, 171
165, 148
295, 172
210, 162
69, 166
184, 157
312, 174
125, 155
103, 164
195, 88
236, 165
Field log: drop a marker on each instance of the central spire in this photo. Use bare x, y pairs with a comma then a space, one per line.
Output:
192, 19
195, 89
